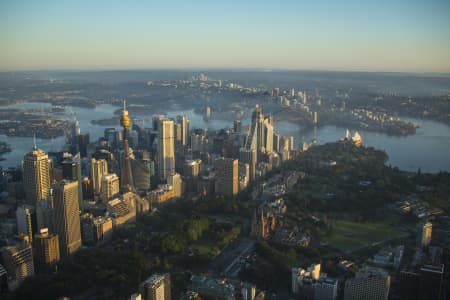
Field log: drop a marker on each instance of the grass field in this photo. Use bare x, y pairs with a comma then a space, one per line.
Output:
351, 235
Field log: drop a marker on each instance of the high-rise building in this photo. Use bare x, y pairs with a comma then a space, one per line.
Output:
46, 250
227, 176
45, 217
177, 185
268, 137
36, 175
408, 285
126, 174
369, 283
249, 156
71, 170
276, 142
255, 139
166, 149
237, 126
142, 172
83, 142
110, 187
67, 217
191, 171
18, 262
431, 286
156, 287
424, 234
98, 169
26, 220
199, 141
184, 127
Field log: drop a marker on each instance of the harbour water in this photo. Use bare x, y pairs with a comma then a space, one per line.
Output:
428, 149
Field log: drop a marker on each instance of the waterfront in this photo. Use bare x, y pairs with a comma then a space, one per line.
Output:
428, 149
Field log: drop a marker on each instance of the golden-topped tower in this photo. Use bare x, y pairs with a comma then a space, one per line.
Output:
125, 120
126, 174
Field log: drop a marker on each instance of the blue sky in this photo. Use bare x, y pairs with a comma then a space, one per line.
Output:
335, 35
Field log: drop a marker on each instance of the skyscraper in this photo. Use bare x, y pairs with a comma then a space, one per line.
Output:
227, 176
255, 139
369, 283
110, 187
26, 220
156, 287
431, 285
18, 261
67, 217
424, 234
46, 250
126, 175
166, 149
98, 169
249, 157
36, 175
184, 123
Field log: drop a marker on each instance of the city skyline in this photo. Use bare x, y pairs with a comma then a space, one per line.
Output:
405, 36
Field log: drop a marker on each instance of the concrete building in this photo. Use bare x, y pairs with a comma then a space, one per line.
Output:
67, 217
184, 129
46, 250
36, 175
424, 235
249, 156
431, 284
18, 262
156, 287
110, 187
166, 148
227, 176
26, 220
99, 168
177, 184
368, 283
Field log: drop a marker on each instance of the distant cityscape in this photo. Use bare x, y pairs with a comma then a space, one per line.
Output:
234, 213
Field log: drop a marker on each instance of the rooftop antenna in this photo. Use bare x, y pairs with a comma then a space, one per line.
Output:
34, 140
124, 105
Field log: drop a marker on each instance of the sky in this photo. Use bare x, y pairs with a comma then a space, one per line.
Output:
375, 35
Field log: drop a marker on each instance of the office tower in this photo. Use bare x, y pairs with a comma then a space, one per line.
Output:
191, 171
126, 174
276, 143
46, 250
36, 175
177, 134
408, 285
424, 234
249, 157
110, 134
268, 136
156, 287
71, 170
275, 92
184, 123
142, 172
292, 92
83, 142
255, 139
199, 141
227, 179
110, 187
431, 286
248, 291
45, 217
237, 126
67, 217
26, 220
166, 149
177, 185
18, 262
136, 296
368, 283
98, 169
315, 118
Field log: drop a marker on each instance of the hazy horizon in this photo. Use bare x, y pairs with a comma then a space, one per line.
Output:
404, 36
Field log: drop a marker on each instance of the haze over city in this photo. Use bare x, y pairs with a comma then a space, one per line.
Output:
407, 36
238, 150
